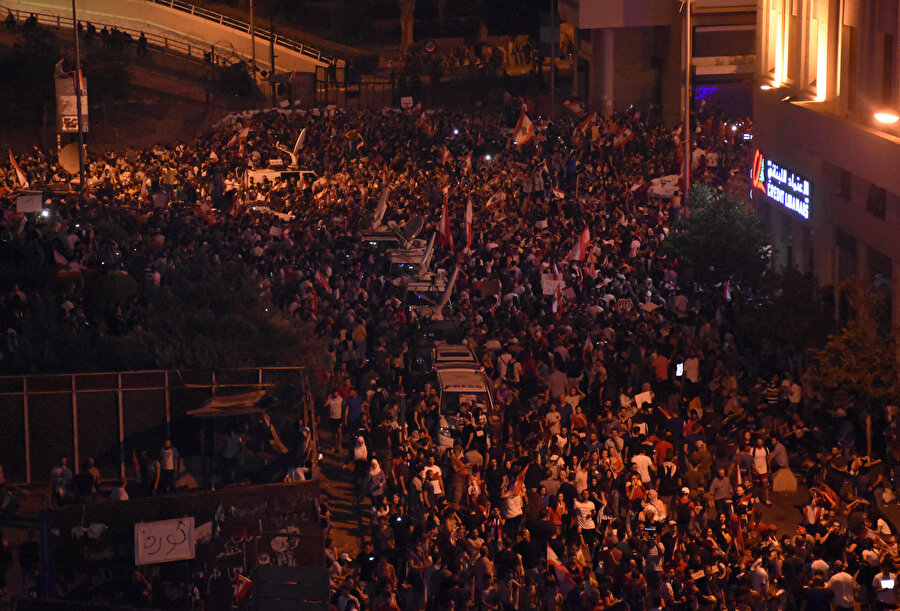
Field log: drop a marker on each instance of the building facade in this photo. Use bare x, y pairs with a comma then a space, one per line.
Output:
827, 175
632, 52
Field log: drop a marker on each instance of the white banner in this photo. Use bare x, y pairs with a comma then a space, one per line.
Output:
164, 541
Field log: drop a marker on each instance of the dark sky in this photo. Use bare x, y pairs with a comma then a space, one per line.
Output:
513, 16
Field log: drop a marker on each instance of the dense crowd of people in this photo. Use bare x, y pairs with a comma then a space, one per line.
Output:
636, 435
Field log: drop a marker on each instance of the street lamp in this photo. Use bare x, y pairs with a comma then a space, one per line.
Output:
886, 117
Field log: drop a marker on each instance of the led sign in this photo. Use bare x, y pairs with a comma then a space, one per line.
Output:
782, 185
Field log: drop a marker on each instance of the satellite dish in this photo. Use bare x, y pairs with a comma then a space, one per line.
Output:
413, 228
68, 158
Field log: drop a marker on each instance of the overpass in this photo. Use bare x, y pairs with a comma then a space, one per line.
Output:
179, 26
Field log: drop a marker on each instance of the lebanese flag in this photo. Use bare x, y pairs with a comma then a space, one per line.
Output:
524, 132
444, 225
469, 225
207, 214
563, 577
20, 173
240, 136
585, 125
581, 246
236, 207
557, 193
322, 281
64, 267
576, 107
496, 198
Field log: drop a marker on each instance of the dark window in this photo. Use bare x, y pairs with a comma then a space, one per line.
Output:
845, 184
875, 203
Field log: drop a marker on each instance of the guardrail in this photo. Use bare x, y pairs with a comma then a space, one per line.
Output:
190, 48
243, 26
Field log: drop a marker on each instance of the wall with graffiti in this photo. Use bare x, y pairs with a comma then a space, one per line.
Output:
92, 549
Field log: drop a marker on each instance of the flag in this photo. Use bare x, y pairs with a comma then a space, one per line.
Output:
64, 267
576, 107
496, 198
467, 166
446, 157
585, 125
20, 174
557, 295
322, 281
242, 587
563, 578
581, 245
524, 132
206, 212
444, 226
135, 463
590, 266
240, 136
301, 141
469, 224
726, 290
557, 193
236, 207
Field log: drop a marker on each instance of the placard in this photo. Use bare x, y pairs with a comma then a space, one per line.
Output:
549, 284
29, 202
164, 541
406, 102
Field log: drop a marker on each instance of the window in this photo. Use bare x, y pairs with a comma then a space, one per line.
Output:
875, 203
845, 184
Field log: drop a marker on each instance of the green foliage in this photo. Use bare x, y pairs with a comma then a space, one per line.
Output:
209, 315
787, 310
858, 367
105, 292
722, 240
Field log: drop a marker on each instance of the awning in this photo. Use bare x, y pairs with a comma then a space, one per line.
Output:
232, 405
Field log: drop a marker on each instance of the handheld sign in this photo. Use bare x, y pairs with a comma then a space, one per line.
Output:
163, 541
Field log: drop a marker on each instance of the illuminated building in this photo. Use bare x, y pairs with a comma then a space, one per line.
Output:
826, 122
630, 52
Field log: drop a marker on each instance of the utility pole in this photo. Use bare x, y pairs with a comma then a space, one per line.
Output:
78, 86
553, 46
272, 52
252, 45
688, 61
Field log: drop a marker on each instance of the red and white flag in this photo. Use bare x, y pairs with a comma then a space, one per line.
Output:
563, 578
726, 290
444, 225
558, 193
206, 212
576, 107
469, 224
585, 125
467, 166
496, 198
524, 131
20, 173
322, 281
581, 246
241, 136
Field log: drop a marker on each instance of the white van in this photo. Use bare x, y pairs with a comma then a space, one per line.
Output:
457, 386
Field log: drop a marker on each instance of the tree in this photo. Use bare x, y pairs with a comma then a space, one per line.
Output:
857, 370
722, 240
407, 21
786, 310
211, 315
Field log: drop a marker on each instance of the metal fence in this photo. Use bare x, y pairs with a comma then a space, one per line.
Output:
108, 416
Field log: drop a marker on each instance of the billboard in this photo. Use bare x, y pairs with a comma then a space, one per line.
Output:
67, 103
782, 185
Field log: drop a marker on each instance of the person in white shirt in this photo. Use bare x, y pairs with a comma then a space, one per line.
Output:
644, 465
584, 509
885, 584
843, 586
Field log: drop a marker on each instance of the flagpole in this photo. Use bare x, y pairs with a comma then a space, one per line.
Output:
78, 86
688, 57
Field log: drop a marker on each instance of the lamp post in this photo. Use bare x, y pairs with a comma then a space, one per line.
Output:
78, 86
688, 57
